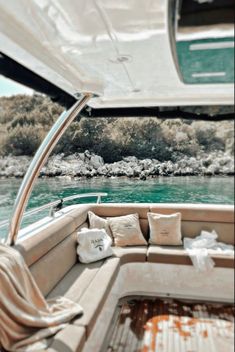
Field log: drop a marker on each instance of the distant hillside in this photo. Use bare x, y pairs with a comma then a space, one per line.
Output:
24, 121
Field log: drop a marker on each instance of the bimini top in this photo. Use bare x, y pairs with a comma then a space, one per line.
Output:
132, 53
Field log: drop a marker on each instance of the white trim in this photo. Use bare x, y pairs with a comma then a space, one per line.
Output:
209, 74
210, 46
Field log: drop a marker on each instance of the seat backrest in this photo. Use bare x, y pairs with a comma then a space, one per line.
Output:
112, 210
50, 251
198, 217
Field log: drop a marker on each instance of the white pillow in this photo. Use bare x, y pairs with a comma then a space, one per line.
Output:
93, 245
96, 222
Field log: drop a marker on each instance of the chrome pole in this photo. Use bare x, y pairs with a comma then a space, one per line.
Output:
38, 161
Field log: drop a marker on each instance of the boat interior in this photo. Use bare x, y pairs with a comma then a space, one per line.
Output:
125, 58
140, 271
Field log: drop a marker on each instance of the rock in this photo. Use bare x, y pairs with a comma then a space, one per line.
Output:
224, 160
207, 162
137, 171
143, 176
177, 172
96, 161
212, 170
93, 173
129, 172
102, 170
11, 170
90, 165
189, 171
81, 156
87, 154
146, 163
130, 159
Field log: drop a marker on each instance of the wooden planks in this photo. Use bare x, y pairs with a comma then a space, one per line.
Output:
166, 325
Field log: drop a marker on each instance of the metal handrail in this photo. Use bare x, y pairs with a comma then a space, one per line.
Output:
51, 205
39, 159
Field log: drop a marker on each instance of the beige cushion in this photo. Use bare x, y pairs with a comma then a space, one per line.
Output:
131, 254
88, 285
94, 297
193, 229
120, 209
71, 339
126, 230
50, 268
96, 222
74, 284
179, 256
46, 237
144, 225
165, 229
197, 212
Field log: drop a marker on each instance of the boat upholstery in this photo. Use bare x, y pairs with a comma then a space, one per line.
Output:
52, 258
52, 267
133, 254
93, 299
43, 250
76, 281
88, 284
178, 255
46, 239
198, 217
117, 209
71, 338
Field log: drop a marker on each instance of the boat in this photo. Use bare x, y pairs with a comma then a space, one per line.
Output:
125, 58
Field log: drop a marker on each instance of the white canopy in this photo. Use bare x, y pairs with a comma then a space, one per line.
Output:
119, 49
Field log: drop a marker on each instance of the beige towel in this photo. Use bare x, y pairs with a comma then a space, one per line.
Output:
27, 320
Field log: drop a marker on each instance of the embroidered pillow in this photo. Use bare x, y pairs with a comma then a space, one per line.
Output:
93, 245
126, 230
96, 222
165, 229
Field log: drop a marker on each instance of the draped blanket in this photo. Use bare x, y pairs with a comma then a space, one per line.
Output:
198, 249
27, 320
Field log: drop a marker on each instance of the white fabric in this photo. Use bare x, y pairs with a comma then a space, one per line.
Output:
93, 245
199, 248
27, 320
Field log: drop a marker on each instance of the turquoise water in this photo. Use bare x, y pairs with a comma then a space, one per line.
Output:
214, 190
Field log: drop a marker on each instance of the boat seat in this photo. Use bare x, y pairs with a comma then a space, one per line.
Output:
131, 254
76, 281
88, 285
198, 217
106, 211
94, 297
71, 338
178, 255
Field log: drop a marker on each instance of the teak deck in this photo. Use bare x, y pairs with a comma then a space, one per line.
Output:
157, 325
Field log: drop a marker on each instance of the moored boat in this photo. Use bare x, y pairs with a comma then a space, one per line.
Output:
117, 58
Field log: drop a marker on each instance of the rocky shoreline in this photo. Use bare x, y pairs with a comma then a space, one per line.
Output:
90, 165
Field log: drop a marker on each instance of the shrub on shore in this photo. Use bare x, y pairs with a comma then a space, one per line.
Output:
24, 121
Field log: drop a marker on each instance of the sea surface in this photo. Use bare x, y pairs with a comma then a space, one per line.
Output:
213, 190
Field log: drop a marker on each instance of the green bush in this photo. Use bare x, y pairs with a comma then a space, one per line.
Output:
206, 135
23, 140
24, 121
